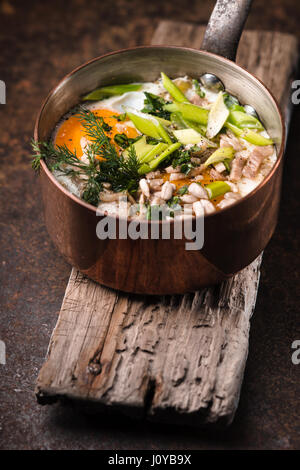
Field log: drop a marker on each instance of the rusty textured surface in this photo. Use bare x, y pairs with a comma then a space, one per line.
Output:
39, 43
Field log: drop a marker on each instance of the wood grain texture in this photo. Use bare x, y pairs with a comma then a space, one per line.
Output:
176, 359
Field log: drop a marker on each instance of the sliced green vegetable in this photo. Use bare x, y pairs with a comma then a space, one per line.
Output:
150, 126
253, 137
237, 107
230, 100
176, 118
150, 166
182, 123
113, 90
154, 152
189, 111
163, 133
197, 127
217, 188
221, 154
163, 121
256, 138
145, 125
173, 89
217, 117
236, 130
188, 136
242, 120
123, 141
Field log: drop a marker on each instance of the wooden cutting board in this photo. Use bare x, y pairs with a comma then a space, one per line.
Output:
175, 358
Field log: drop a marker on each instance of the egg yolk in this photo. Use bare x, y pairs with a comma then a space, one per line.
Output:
72, 131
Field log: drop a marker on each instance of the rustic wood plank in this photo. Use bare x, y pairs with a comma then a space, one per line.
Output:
179, 358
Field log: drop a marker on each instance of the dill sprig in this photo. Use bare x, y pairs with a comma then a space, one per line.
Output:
95, 127
61, 159
121, 172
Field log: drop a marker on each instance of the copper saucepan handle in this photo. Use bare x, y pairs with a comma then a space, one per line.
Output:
225, 27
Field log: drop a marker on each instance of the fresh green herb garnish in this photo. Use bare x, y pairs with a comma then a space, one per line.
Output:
151, 140
120, 117
181, 157
198, 89
63, 160
227, 165
111, 168
173, 206
183, 190
154, 104
123, 141
113, 90
174, 201
186, 168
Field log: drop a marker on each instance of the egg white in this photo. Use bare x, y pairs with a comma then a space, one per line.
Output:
131, 99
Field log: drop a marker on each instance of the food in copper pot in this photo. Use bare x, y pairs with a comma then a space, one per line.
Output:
171, 143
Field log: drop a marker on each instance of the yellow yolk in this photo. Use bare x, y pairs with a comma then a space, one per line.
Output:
72, 131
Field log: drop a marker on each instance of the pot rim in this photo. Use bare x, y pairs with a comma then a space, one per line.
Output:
140, 48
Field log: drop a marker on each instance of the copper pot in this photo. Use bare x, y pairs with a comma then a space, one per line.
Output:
233, 237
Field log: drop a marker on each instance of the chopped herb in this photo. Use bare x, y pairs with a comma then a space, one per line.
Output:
112, 90
181, 157
155, 212
227, 165
183, 190
151, 140
173, 206
106, 127
63, 160
186, 168
123, 141
154, 104
120, 117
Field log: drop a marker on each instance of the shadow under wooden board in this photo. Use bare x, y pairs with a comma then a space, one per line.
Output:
175, 358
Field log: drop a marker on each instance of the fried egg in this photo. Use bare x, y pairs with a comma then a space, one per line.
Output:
72, 133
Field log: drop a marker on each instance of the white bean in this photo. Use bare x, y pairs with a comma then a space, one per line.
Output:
109, 196
177, 176
208, 206
167, 191
198, 191
198, 208
170, 169
188, 198
156, 183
